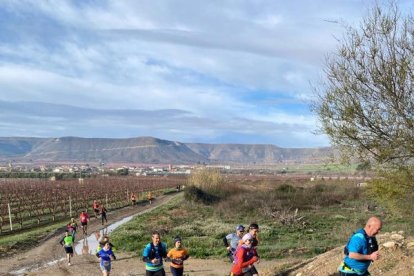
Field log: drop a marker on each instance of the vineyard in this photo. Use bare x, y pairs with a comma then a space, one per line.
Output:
26, 203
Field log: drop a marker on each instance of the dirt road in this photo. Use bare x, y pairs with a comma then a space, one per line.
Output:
48, 258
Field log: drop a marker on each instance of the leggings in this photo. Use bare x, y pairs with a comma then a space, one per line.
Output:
177, 271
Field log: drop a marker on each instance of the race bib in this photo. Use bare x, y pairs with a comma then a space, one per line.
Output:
106, 263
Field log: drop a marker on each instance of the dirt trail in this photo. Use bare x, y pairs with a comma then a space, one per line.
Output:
50, 249
396, 258
36, 259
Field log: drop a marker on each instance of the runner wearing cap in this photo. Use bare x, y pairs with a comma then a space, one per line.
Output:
234, 241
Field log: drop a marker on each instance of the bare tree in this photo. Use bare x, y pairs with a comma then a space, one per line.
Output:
366, 101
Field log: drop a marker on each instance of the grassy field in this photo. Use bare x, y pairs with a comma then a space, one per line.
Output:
328, 213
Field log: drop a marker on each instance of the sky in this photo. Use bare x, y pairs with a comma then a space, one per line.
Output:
190, 71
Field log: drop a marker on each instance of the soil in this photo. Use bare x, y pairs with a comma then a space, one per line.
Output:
35, 260
398, 260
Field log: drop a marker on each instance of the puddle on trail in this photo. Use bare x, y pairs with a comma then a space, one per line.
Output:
90, 244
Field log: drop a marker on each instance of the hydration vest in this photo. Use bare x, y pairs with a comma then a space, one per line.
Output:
371, 242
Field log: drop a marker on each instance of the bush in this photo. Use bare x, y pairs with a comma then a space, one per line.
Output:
197, 195
394, 190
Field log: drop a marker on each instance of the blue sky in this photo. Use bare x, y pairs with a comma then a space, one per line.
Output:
189, 71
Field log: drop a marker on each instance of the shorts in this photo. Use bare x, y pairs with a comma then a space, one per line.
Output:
253, 270
84, 223
69, 249
160, 272
105, 266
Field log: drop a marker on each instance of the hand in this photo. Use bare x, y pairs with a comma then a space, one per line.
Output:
374, 256
228, 248
255, 258
155, 261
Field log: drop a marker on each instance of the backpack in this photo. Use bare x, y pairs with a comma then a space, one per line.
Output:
371, 242
161, 250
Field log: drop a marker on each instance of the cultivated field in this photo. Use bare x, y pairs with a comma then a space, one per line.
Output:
32, 202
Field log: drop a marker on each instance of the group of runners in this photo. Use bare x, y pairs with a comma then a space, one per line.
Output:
241, 246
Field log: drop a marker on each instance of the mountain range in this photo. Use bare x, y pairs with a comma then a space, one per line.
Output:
151, 151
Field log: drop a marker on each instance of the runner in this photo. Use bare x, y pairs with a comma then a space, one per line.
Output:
133, 199
234, 238
254, 230
105, 239
105, 255
177, 256
149, 197
84, 218
67, 243
244, 258
95, 207
103, 212
153, 254
72, 227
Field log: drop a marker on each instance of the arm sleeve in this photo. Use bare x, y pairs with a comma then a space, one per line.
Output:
225, 242
186, 256
169, 253
145, 254
356, 244
164, 255
62, 241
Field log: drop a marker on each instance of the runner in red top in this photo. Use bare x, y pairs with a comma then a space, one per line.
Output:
84, 218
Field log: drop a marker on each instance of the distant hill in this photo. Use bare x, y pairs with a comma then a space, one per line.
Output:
150, 150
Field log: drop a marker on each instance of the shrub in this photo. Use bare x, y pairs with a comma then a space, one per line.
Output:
394, 190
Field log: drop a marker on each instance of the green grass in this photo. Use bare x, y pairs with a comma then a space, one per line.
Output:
13, 243
202, 227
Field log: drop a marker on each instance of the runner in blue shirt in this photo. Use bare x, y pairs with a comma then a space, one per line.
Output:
361, 250
105, 255
153, 254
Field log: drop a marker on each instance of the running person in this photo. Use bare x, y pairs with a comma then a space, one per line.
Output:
254, 230
105, 255
105, 239
72, 227
67, 243
244, 258
153, 254
234, 241
133, 199
149, 197
103, 212
177, 256
96, 209
84, 218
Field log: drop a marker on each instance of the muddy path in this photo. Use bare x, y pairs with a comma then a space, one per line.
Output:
50, 249
49, 258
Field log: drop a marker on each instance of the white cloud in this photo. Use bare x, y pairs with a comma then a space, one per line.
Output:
224, 63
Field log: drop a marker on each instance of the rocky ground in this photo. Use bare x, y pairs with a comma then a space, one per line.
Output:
396, 258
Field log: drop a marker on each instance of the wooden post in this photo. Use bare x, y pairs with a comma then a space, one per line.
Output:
11, 225
106, 199
70, 207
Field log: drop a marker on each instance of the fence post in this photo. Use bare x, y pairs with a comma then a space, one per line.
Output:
11, 225
106, 199
70, 206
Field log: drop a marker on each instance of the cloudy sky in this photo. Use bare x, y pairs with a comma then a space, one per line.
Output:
191, 71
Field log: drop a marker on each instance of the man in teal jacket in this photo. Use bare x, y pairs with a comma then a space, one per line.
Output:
153, 255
